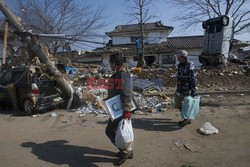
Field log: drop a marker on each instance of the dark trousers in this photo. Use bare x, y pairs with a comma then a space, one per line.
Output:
111, 129
178, 100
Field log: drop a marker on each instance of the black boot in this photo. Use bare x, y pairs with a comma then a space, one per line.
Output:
119, 154
124, 156
185, 122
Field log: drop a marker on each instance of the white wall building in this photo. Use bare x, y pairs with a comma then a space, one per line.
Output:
128, 34
159, 48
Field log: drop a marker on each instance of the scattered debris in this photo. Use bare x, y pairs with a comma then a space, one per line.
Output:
208, 129
221, 96
166, 104
208, 85
219, 89
152, 110
138, 112
146, 86
82, 115
206, 77
191, 147
187, 144
102, 115
58, 99
179, 143
235, 72
221, 74
88, 96
65, 121
53, 114
78, 112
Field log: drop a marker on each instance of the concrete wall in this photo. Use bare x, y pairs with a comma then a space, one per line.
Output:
156, 37
129, 62
118, 40
193, 56
151, 37
194, 51
195, 60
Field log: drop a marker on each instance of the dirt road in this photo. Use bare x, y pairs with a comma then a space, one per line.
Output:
70, 140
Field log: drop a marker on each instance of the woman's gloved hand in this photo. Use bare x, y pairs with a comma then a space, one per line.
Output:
126, 115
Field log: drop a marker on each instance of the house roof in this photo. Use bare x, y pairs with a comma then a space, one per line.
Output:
184, 42
136, 27
192, 42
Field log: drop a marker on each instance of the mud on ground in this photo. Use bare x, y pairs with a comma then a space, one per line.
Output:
72, 141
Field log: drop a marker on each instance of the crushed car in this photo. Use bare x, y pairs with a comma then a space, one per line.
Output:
35, 91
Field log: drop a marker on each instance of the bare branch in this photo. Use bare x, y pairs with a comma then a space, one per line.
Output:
238, 8
218, 6
243, 27
196, 11
60, 16
240, 19
212, 7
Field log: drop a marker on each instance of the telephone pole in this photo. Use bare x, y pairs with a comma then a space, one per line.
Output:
141, 55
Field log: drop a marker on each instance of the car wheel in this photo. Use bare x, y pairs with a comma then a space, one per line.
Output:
225, 20
28, 107
204, 25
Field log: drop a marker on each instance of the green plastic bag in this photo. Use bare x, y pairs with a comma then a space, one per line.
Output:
190, 107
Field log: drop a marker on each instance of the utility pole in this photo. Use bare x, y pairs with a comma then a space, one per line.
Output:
6, 26
41, 53
141, 53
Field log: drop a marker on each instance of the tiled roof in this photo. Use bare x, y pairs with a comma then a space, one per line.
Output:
192, 42
136, 27
184, 42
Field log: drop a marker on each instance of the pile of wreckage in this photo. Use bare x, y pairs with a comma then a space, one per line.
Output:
33, 80
93, 98
36, 89
32, 88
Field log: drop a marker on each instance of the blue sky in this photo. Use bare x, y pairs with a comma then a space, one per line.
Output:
115, 14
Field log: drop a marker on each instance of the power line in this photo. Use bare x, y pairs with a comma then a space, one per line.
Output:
89, 35
79, 46
101, 43
71, 39
86, 45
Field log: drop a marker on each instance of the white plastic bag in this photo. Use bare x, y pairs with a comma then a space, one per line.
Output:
124, 135
208, 129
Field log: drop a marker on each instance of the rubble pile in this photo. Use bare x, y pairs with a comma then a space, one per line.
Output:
166, 74
143, 84
148, 81
152, 104
233, 77
93, 101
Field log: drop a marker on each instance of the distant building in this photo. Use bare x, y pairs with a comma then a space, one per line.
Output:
164, 52
128, 34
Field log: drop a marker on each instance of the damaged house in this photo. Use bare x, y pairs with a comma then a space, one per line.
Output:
123, 39
159, 48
